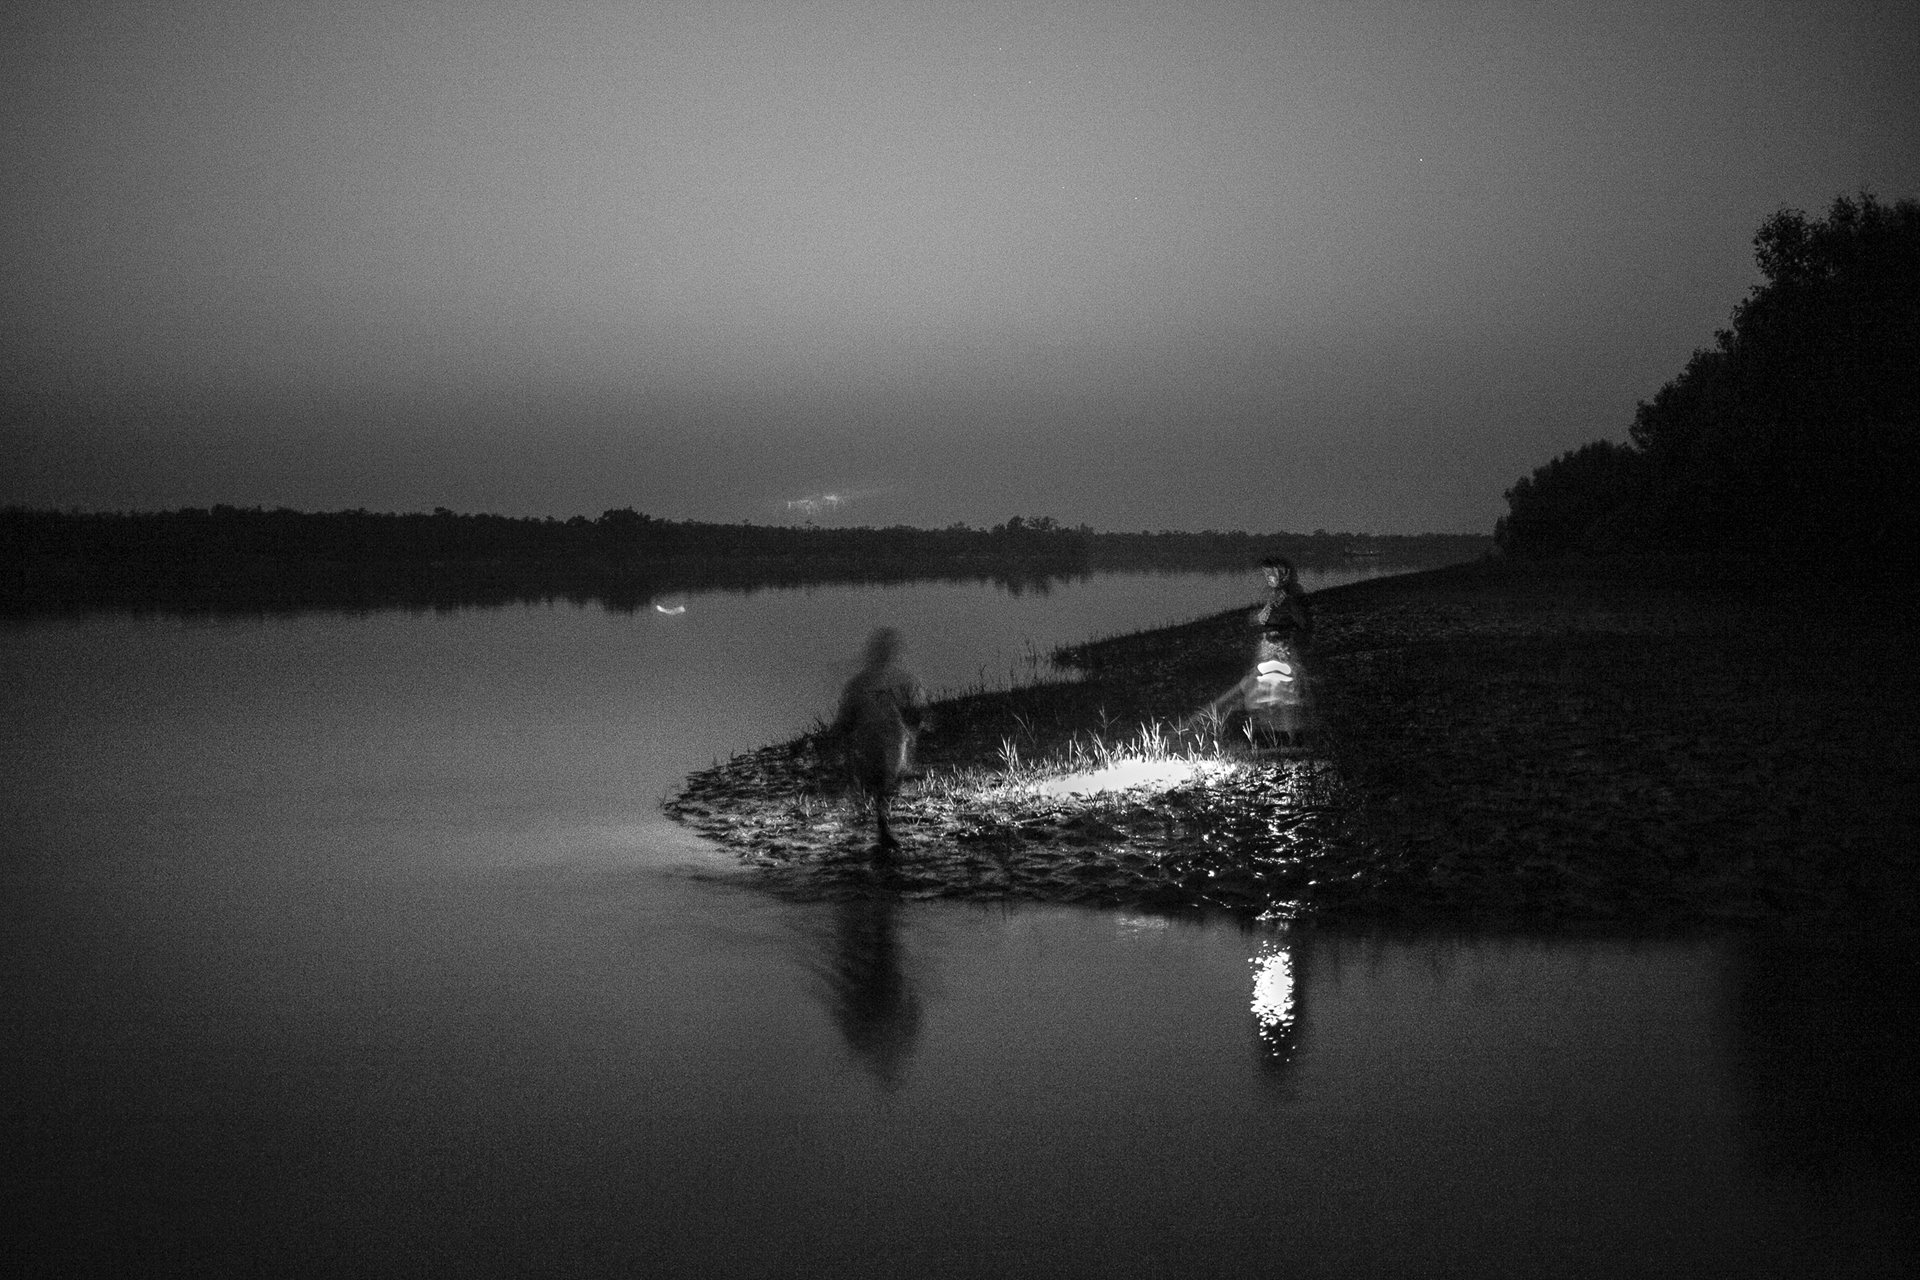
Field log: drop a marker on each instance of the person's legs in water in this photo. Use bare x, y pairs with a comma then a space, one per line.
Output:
877, 782
887, 846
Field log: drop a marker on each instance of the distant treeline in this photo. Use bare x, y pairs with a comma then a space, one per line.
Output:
250, 557
1795, 436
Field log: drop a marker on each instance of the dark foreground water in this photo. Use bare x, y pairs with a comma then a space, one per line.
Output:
357, 944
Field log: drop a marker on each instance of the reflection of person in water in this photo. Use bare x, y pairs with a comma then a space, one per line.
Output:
871, 998
878, 718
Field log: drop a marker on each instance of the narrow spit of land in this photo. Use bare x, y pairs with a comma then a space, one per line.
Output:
1500, 744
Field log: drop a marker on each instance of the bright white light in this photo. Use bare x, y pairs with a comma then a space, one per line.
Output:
1273, 991
1127, 775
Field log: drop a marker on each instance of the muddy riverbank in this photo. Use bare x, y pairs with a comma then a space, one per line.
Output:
1498, 744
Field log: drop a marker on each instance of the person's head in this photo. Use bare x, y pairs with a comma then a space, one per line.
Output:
883, 646
1279, 570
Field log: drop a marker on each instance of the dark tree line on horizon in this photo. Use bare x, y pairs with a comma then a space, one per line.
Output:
241, 554
1795, 436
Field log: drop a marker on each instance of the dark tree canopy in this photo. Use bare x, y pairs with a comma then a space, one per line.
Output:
1794, 433
1564, 504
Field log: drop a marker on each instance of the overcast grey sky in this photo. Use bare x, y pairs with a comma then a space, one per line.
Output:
1179, 265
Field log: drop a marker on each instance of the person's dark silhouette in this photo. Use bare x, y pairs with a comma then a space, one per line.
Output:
878, 718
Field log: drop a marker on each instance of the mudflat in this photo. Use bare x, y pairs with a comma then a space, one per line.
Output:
1497, 743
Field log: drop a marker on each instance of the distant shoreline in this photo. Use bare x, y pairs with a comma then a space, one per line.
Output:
306, 586
249, 561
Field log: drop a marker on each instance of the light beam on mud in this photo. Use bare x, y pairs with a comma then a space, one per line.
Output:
1131, 775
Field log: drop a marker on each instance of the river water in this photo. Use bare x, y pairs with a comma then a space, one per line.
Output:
357, 943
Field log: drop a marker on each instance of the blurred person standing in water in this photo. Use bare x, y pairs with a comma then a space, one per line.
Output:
878, 719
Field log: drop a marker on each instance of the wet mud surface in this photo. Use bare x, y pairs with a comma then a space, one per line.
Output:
1259, 841
1494, 745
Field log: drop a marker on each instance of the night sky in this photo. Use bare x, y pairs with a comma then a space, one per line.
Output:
1178, 265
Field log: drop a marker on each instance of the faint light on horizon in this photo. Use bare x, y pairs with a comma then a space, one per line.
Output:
815, 504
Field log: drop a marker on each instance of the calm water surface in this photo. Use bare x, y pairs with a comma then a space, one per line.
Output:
359, 944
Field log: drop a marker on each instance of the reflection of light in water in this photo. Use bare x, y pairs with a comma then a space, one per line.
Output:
1151, 775
1273, 994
